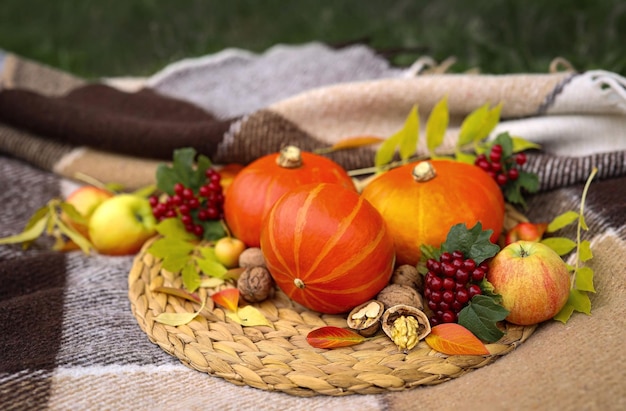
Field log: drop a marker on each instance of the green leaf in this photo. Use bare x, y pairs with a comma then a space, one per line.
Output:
145, 191
199, 177
384, 154
183, 165
174, 263
213, 230
175, 229
473, 243
436, 125
410, 135
35, 229
41, 212
481, 315
520, 144
174, 252
561, 245
72, 213
211, 267
75, 236
577, 301
165, 246
562, 220
466, 158
472, 125
584, 251
166, 178
506, 142
513, 191
584, 279
405, 140
182, 171
191, 277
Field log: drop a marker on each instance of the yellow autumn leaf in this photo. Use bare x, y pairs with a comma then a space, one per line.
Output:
249, 316
176, 319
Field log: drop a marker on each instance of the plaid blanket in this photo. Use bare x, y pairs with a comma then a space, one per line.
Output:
69, 340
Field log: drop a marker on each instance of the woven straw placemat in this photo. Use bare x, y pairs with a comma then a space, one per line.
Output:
279, 358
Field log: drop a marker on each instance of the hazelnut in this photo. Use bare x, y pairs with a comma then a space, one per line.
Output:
365, 318
395, 294
251, 257
255, 284
408, 275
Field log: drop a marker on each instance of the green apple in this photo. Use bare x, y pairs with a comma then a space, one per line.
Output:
228, 250
122, 224
85, 200
532, 279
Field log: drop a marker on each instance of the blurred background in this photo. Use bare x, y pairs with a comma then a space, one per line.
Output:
94, 38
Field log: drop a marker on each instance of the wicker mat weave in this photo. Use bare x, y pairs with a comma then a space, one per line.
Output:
279, 358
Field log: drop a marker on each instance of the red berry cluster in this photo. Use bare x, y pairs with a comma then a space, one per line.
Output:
192, 207
499, 167
450, 284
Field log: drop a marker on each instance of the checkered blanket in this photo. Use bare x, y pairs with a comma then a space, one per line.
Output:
69, 340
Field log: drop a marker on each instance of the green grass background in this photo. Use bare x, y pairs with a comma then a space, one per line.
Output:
95, 38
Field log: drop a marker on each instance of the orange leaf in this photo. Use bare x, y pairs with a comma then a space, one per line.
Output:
352, 142
333, 337
178, 293
359, 141
227, 298
454, 339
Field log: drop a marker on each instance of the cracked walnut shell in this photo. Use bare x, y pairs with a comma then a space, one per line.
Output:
365, 318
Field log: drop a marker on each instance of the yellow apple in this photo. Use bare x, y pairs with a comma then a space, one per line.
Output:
532, 279
85, 200
122, 224
228, 250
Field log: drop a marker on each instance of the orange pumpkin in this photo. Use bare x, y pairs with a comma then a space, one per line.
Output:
421, 202
255, 189
327, 248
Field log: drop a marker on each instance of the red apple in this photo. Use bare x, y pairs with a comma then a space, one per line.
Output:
525, 231
532, 279
85, 200
122, 224
228, 250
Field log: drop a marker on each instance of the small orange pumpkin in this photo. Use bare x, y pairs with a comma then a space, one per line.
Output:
255, 189
327, 248
421, 202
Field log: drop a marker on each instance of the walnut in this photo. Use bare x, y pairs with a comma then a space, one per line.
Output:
407, 274
255, 284
251, 257
395, 294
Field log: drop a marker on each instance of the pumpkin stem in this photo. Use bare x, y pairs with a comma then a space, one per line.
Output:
424, 171
299, 283
289, 157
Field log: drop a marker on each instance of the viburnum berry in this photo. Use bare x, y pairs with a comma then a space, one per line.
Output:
500, 167
191, 206
447, 294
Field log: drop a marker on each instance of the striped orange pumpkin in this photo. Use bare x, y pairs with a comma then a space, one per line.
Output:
327, 248
254, 189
